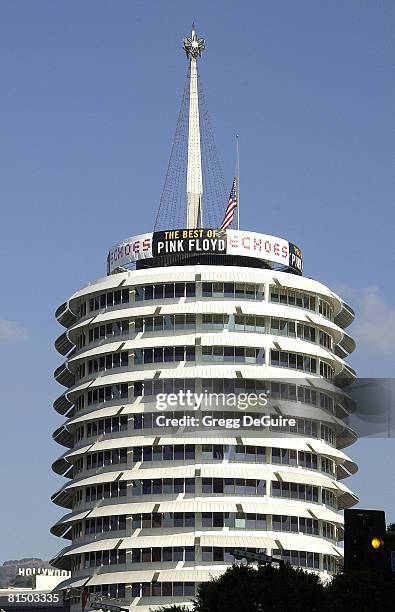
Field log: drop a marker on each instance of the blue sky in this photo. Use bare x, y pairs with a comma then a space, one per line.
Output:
89, 97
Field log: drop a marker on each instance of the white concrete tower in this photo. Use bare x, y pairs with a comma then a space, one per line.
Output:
154, 504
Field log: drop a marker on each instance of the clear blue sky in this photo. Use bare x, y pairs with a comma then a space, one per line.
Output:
90, 93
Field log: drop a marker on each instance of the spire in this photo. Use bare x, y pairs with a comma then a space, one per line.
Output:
193, 161
193, 48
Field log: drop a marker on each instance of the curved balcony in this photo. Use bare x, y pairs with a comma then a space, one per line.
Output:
65, 315
64, 376
62, 404
63, 344
345, 317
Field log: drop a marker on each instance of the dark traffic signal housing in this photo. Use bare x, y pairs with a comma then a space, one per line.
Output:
364, 540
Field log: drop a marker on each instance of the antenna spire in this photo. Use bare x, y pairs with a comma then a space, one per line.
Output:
193, 47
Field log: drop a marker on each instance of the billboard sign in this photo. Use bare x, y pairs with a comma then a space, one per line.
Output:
215, 241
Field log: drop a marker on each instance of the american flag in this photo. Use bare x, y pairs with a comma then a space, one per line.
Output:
230, 209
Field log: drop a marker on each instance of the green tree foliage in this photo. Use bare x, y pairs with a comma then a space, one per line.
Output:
23, 581
267, 589
245, 589
362, 591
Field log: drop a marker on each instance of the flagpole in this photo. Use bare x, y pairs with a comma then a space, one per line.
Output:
238, 180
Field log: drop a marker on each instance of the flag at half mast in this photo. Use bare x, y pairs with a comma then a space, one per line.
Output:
230, 209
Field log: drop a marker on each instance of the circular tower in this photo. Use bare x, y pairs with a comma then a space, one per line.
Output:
205, 393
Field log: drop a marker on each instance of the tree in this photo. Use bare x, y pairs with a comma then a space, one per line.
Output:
265, 589
23, 581
362, 591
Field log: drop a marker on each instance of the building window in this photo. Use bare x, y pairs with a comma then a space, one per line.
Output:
163, 486
109, 425
166, 291
301, 558
233, 354
293, 361
163, 589
178, 452
292, 297
166, 323
149, 388
291, 490
107, 393
164, 354
108, 299
108, 361
234, 486
326, 370
109, 330
105, 491
99, 558
98, 460
325, 309
104, 524
238, 291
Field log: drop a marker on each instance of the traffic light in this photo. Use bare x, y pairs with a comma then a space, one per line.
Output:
364, 540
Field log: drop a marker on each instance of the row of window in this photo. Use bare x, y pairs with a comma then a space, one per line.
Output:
103, 524
166, 291
238, 291
292, 329
102, 491
163, 486
112, 591
171, 323
180, 452
163, 589
227, 290
294, 490
144, 555
108, 362
293, 361
166, 554
109, 425
300, 558
274, 390
304, 427
231, 520
163, 520
108, 299
164, 354
165, 323
292, 297
97, 460
211, 354
109, 330
245, 323
325, 309
107, 393
295, 524
98, 558
233, 354
225, 486
234, 486
149, 388
232, 453
307, 559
